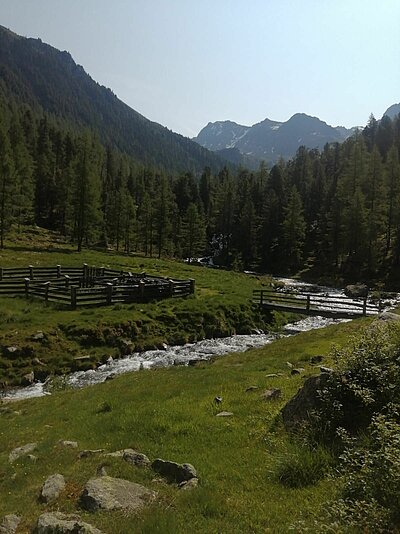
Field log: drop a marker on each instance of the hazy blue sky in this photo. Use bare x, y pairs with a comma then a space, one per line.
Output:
184, 63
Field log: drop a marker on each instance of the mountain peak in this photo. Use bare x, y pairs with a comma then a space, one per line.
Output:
392, 111
269, 140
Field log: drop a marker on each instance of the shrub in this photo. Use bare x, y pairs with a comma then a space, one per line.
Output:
371, 479
365, 382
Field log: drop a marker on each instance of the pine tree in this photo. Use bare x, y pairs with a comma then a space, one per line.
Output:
294, 227
86, 195
392, 172
193, 232
7, 185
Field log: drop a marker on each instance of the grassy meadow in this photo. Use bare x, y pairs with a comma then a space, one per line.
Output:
83, 338
254, 477
170, 413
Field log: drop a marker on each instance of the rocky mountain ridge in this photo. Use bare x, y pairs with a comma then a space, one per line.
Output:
269, 140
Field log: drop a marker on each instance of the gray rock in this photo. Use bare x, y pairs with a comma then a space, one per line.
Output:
356, 291
12, 350
9, 524
251, 388
58, 523
28, 379
117, 454
217, 400
174, 472
24, 450
306, 400
273, 375
297, 371
224, 414
90, 452
388, 317
68, 444
136, 458
107, 493
52, 488
326, 370
189, 484
271, 394
38, 336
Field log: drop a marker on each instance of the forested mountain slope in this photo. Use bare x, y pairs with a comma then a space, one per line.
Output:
37, 74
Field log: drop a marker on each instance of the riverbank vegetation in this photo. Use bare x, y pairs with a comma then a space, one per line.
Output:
171, 413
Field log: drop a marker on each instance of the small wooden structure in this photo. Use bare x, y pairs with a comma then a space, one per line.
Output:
307, 303
89, 286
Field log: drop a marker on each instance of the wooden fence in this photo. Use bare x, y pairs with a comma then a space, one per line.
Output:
315, 304
89, 286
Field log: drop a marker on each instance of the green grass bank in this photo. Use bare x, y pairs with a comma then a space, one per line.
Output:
170, 413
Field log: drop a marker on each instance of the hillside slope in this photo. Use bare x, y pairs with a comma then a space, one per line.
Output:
35, 73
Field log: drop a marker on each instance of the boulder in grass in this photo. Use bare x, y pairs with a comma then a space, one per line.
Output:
389, 317
52, 488
107, 493
68, 444
189, 484
306, 401
136, 458
59, 523
24, 450
271, 394
173, 471
9, 524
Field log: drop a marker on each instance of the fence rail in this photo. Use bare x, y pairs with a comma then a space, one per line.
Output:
89, 286
315, 304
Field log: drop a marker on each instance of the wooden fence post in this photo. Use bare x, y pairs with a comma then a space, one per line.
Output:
58, 271
109, 292
84, 275
27, 281
31, 272
379, 304
73, 297
46, 291
261, 297
192, 285
171, 287
1, 273
142, 286
365, 306
67, 280
308, 303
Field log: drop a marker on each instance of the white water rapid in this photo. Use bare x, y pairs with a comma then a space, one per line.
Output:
185, 354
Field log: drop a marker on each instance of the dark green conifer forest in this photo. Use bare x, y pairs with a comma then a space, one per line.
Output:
335, 212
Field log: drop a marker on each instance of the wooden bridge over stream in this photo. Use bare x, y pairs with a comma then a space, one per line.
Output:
307, 303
